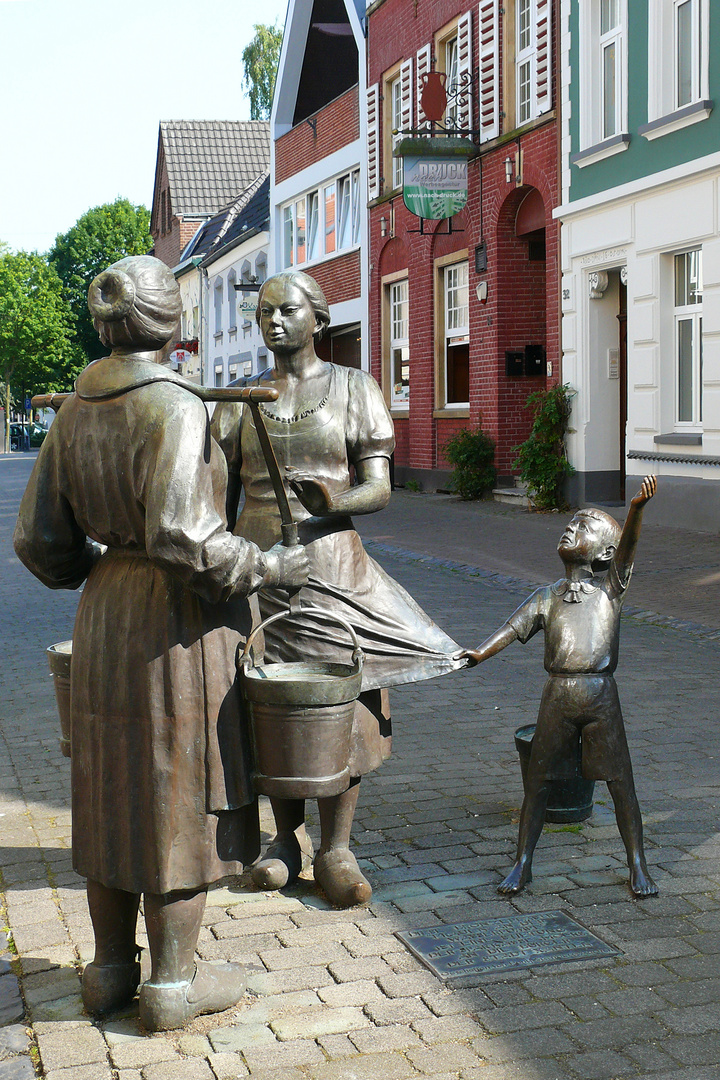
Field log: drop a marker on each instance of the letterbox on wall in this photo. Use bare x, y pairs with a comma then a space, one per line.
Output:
534, 360
514, 363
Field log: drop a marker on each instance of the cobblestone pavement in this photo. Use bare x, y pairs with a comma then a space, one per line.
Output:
333, 994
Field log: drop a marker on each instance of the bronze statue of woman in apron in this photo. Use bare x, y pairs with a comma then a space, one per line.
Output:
327, 423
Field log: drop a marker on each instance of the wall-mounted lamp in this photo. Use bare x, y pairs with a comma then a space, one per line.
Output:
383, 226
514, 165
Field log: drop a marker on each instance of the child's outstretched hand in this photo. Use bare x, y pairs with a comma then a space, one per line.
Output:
471, 655
646, 492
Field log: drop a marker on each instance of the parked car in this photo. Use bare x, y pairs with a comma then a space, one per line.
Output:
37, 434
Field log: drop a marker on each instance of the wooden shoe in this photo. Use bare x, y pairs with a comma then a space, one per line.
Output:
282, 862
213, 988
108, 987
340, 878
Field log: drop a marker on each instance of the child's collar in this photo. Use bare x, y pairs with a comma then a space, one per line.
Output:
572, 591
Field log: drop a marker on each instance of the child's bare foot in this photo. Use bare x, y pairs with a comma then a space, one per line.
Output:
517, 879
641, 884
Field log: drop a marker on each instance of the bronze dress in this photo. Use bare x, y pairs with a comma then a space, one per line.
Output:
161, 786
401, 643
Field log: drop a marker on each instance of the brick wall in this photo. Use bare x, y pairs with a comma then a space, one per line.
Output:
339, 278
522, 306
337, 124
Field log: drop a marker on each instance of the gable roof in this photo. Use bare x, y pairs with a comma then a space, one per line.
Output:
245, 215
209, 161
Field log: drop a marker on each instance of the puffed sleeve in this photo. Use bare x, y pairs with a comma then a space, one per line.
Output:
530, 616
225, 427
369, 431
48, 539
185, 532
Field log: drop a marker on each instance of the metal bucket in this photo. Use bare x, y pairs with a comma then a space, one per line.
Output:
301, 718
568, 800
60, 657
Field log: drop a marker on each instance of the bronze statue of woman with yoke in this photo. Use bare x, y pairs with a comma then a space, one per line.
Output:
328, 423
580, 615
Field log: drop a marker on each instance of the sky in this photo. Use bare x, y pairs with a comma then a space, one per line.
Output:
85, 85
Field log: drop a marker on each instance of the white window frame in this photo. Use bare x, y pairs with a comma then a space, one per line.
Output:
346, 213
456, 318
592, 43
683, 314
525, 58
399, 341
395, 91
450, 60
665, 112
612, 38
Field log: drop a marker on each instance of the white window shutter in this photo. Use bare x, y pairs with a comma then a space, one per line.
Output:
543, 57
406, 94
422, 67
489, 62
373, 138
464, 49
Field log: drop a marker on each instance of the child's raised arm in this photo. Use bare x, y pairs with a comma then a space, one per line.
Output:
494, 644
625, 554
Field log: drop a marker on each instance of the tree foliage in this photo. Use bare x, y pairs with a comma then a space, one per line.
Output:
100, 237
260, 60
36, 329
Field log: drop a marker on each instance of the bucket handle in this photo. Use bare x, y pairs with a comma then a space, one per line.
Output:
246, 661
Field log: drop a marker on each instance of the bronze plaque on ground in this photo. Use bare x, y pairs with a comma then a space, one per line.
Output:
460, 950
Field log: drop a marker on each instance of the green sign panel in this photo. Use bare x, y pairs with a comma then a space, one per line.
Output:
434, 187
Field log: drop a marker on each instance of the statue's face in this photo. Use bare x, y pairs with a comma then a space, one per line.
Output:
287, 318
583, 541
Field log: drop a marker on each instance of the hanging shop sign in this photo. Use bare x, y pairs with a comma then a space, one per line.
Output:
247, 306
435, 175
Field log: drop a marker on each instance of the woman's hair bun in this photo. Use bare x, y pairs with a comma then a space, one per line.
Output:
111, 295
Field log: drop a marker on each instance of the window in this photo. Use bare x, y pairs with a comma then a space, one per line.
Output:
688, 337
456, 334
399, 344
603, 78
395, 126
678, 61
218, 297
322, 222
524, 58
451, 78
610, 45
232, 300
218, 375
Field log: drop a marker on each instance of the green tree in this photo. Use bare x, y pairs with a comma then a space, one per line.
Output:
260, 60
100, 237
36, 329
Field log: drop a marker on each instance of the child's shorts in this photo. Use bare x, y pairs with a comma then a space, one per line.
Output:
572, 705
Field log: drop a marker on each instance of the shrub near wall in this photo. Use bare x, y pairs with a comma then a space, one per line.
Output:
472, 455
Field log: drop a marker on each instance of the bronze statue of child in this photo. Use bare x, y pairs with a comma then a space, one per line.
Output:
580, 615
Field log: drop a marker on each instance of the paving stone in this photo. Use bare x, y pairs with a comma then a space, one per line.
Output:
93, 1071
19, 1068
13, 1040
397, 1010
319, 1022
61, 1049
351, 993
137, 1054
241, 1037
542, 1042
389, 1066
337, 1046
11, 1004
193, 1069
295, 1052
407, 985
227, 1066
390, 1037
447, 1056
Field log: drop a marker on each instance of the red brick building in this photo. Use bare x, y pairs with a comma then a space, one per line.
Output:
318, 195
464, 314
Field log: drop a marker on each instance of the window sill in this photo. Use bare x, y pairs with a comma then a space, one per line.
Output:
679, 438
674, 121
218, 336
306, 267
400, 411
452, 412
605, 149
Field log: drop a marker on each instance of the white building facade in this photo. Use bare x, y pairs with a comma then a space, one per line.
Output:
640, 249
